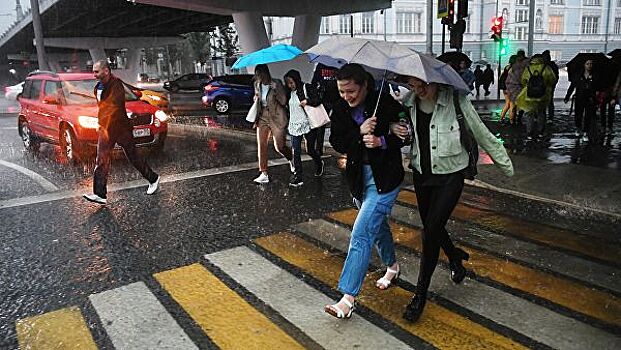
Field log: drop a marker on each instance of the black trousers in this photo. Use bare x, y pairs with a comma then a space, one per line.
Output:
435, 205
105, 145
585, 112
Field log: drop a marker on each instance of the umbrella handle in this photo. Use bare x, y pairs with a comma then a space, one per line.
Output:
380, 92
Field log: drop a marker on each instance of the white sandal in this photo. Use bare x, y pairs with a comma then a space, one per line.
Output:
385, 282
336, 311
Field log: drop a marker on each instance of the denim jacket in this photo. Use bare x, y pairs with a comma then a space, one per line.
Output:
447, 153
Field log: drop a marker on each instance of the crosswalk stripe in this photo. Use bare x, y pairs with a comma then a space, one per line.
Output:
523, 316
134, 319
561, 291
439, 326
594, 247
590, 272
299, 303
228, 320
51, 331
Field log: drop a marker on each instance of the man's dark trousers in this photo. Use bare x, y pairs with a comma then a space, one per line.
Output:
105, 145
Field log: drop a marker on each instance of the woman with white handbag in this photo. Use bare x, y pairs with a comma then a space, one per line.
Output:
300, 96
271, 117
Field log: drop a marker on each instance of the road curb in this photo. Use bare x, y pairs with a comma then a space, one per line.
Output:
207, 131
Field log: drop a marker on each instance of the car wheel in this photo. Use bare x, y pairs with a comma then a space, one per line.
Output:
174, 88
28, 138
69, 145
221, 105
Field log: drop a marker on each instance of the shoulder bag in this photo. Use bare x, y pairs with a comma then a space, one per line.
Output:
467, 140
317, 116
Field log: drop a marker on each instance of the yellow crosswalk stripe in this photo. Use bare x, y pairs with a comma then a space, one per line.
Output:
439, 326
61, 329
228, 320
556, 237
572, 295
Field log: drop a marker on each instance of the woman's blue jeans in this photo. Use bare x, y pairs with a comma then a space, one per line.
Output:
370, 228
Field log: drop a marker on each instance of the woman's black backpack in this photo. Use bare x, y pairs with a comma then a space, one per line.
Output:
536, 87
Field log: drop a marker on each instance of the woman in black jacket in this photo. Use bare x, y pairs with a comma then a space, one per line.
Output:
586, 104
374, 172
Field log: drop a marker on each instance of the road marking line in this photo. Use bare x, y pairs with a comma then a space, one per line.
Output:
8, 128
438, 326
135, 319
49, 197
556, 237
48, 186
61, 329
229, 321
521, 315
572, 295
299, 303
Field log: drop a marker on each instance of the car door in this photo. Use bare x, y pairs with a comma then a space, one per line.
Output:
51, 109
184, 81
244, 91
34, 107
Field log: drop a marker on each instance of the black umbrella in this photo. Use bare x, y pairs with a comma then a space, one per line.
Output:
615, 53
453, 58
604, 69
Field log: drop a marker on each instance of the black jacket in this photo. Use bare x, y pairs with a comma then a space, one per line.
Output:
345, 137
112, 114
312, 97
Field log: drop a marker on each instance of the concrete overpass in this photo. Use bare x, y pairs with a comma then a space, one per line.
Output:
96, 25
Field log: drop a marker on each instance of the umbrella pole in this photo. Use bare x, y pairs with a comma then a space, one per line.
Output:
380, 92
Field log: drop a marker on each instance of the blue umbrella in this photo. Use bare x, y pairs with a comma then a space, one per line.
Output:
276, 53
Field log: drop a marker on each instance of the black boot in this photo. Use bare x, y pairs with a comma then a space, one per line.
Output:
458, 271
415, 307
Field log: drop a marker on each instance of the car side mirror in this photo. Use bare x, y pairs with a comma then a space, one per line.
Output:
138, 93
51, 100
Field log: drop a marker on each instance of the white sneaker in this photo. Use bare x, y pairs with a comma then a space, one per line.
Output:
94, 198
577, 133
291, 166
585, 138
262, 179
153, 187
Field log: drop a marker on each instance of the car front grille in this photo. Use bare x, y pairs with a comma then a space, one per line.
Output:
141, 119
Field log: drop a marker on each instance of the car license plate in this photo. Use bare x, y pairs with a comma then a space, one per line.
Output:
142, 132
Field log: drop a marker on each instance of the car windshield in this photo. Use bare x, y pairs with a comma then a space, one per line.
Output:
80, 92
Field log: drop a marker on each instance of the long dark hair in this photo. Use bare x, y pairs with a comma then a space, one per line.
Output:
297, 79
262, 73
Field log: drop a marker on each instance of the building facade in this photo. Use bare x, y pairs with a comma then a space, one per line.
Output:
565, 27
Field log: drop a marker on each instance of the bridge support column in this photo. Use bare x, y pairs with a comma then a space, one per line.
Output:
97, 54
251, 30
306, 31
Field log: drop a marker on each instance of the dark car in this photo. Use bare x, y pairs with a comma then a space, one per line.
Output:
193, 81
229, 91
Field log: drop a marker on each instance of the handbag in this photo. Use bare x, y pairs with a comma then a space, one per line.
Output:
317, 116
252, 113
467, 140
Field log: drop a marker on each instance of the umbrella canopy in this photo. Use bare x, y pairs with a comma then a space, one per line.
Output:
276, 53
387, 57
615, 53
604, 69
454, 57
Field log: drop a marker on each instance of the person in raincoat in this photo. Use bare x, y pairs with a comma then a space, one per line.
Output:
514, 80
438, 160
502, 81
537, 76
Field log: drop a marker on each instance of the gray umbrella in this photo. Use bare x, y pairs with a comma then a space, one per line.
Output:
387, 57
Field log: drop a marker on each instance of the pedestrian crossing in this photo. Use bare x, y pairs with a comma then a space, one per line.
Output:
270, 293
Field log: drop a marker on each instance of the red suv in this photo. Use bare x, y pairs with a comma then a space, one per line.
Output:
60, 108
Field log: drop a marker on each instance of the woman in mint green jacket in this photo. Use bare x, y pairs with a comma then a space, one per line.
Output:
438, 159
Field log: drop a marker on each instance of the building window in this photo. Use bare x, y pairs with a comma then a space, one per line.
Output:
539, 20
592, 2
618, 3
590, 24
325, 25
521, 16
555, 24
560, 2
467, 19
521, 2
344, 27
617, 29
408, 22
520, 33
368, 23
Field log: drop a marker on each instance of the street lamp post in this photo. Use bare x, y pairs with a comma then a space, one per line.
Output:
38, 31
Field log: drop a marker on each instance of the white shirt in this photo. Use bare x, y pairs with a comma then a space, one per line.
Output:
264, 90
298, 121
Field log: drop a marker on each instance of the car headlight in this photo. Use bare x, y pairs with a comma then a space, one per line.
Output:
155, 98
161, 115
88, 122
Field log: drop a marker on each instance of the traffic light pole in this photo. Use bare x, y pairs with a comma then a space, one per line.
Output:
499, 68
443, 37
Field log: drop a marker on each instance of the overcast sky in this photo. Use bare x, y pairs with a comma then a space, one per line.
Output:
8, 7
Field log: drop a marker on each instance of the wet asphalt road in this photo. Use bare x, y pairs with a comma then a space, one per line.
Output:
56, 253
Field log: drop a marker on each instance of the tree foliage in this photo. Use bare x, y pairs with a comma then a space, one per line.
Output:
226, 41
